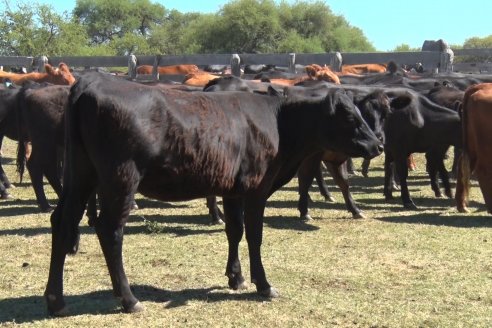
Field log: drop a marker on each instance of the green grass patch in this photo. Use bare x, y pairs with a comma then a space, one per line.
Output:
425, 268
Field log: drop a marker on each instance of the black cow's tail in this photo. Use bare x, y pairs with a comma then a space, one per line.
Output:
70, 208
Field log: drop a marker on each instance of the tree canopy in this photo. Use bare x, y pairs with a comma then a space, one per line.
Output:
141, 27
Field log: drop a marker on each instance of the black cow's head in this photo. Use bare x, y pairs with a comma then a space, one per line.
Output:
346, 131
374, 108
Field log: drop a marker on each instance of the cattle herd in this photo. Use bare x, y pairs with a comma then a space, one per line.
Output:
237, 138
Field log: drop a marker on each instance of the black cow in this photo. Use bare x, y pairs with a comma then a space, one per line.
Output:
176, 146
451, 97
234, 83
416, 124
41, 112
374, 107
8, 128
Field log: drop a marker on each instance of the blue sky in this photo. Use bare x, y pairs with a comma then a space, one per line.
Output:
386, 23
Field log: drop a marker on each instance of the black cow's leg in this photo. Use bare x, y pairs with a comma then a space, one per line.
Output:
350, 166
4, 194
402, 170
91, 211
214, 210
443, 174
457, 152
234, 227
51, 171
431, 165
116, 198
253, 222
35, 168
4, 181
388, 176
323, 188
305, 176
65, 234
365, 167
338, 174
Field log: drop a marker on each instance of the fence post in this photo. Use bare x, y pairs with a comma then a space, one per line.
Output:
155, 68
132, 66
292, 62
38, 63
236, 65
336, 62
446, 60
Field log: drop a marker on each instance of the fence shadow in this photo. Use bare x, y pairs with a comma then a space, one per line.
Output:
30, 309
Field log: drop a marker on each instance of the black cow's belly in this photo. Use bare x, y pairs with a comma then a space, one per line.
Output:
172, 185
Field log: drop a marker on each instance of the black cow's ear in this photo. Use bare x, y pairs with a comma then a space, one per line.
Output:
273, 92
337, 97
400, 102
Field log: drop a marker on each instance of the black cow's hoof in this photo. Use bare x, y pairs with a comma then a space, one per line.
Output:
236, 281
137, 307
330, 199
5, 195
438, 194
269, 292
56, 308
359, 215
46, 209
410, 206
306, 217
217, 221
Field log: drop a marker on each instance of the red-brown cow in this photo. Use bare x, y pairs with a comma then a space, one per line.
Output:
363, 68
477, 145
172, 69
60, 75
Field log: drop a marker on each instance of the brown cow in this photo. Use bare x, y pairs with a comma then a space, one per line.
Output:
199, 79
60, 75
322, 73
363, 68
477, 145
172, 69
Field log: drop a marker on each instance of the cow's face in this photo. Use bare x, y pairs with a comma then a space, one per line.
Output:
374, 109
60, 75
344, 128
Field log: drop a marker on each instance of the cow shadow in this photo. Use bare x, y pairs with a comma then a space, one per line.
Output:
288, 223
457, 220
30, 309
148, 203
13, 207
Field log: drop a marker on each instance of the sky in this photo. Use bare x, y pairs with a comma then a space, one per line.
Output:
385, 23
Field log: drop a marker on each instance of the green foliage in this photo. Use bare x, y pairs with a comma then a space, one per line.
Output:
107, 20
141, 27
405, 48
476, 42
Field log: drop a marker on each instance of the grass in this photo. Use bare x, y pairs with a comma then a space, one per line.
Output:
425, 268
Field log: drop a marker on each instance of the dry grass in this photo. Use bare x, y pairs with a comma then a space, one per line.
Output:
426, 268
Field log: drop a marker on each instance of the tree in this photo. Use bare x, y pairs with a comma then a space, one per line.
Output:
107, 20
315, 21
405, 47
477, 42
34, 30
